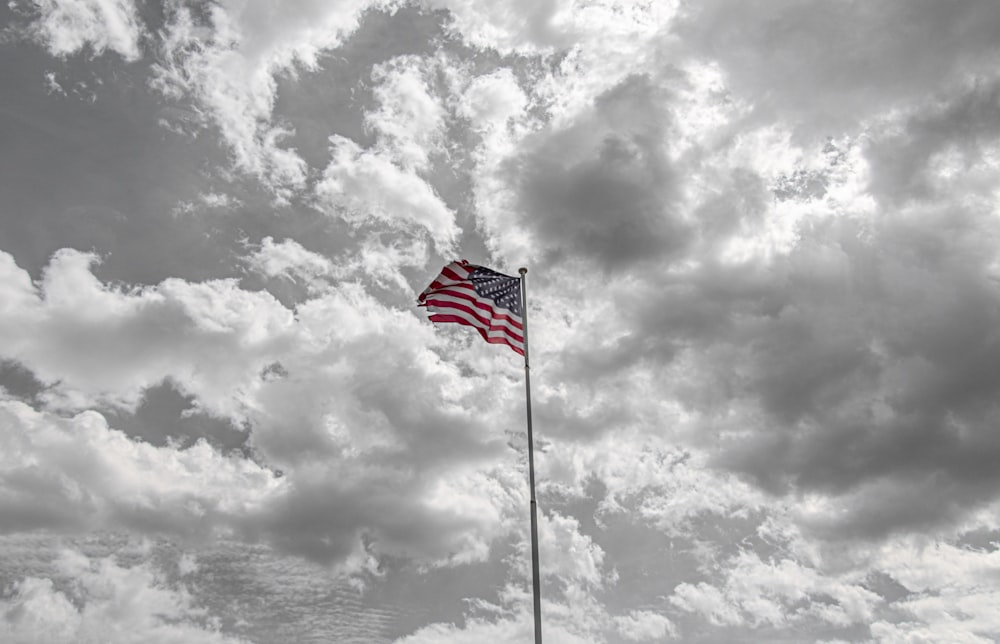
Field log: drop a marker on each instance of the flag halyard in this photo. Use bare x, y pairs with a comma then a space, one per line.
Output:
475, 296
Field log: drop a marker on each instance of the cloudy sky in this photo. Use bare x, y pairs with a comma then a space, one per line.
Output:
763, 242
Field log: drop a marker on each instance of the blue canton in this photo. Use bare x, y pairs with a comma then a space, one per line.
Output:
504, 290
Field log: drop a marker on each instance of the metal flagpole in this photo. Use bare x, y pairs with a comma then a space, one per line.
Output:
535, 578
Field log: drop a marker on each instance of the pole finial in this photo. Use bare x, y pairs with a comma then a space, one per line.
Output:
522, 270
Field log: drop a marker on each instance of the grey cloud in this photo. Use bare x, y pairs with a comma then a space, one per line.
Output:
18, 381
328, 519
603, 190
866, 354
663, 313
108, 176
893, 383
963, 125
166, 414
835, 63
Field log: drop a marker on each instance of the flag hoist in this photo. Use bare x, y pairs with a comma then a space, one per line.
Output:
496, 306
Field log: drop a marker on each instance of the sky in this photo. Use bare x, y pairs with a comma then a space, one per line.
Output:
763, 288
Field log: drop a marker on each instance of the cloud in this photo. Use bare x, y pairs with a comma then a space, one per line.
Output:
289, 260
227, 63
370, 453
939, 149
832, 66
947, 591
776, 593
527, 28
762, 241
851, 336
573, 573
77, 474
211, 338
604, 190
491, 101
66, 27
409, 121
362, 448
379, 449
644, 625
363, 186
102, 601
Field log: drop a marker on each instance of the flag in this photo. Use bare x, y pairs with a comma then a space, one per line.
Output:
476, 296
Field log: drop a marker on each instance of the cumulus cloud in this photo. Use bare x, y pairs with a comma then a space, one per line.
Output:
644, 625
102, 601
79, 474
786, 281
409, 121
604, 190
763, 292
227, 60
289, 260
373, 452
65, 27
363, 186
212, 338
552, 26
774, 593
492, 101
833, 65
573, 574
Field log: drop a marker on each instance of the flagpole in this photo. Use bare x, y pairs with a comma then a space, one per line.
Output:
535, 577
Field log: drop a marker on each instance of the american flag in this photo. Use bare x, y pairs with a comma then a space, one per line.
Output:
484, 299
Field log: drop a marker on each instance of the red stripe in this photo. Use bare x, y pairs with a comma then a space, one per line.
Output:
442, 317
454, 282
447, 272
485, 321
437, 285
482, 304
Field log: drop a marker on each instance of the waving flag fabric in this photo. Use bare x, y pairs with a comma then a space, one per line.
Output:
484, 299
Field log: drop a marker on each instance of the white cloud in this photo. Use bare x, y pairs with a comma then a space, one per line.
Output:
94, 342
529, 27
952, 592
229, 65
960, 617
67, 26
363, 186
644, 625
491, 101
830, 66
777, 593
383, 262
79, 474
289, 260
101, 601
650, 477
410, 118
360, 447
763, 305
569, 555
708, 601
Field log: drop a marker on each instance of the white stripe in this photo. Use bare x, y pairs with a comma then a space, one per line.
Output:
491, 332
458, 300
458, 269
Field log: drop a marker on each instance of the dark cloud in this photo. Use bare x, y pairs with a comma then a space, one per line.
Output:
778, 249
963, 127
342, 82
114, 167
165, 414
603, 190
832, 64
892, 377
18, 381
